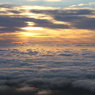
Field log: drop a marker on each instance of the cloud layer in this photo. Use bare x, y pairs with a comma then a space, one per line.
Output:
47, 68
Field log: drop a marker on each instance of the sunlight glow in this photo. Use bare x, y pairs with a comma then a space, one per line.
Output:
32, 28
28, 34
30, 23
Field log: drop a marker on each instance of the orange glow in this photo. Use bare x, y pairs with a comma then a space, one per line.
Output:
50, 36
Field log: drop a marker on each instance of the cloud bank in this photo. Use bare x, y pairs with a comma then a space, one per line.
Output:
43, 70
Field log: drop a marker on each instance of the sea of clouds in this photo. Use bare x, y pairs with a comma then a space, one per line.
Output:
46, 69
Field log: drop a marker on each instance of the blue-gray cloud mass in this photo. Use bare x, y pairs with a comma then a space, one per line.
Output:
78, 18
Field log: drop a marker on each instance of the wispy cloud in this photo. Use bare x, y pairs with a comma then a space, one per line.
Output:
83, 5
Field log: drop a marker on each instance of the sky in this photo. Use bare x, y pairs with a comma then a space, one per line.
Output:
47, 21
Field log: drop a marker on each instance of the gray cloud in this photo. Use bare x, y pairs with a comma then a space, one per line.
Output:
16, 12
65, 11
6, 5
9, 29
85, 23
27, 70
10, 24
6, 40
14, 24
78, 18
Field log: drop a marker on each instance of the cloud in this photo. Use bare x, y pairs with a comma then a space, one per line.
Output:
53, 19
21, 73
16, 12
11, 24
77, 18
20, 19
86, 23
83, 5
6, 5
87, 84
26, 88
17, 21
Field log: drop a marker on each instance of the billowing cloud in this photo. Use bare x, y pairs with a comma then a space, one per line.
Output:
58, 67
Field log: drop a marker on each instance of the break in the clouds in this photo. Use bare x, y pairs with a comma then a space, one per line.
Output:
47, 23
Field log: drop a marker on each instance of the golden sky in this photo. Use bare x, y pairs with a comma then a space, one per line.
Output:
40, 24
